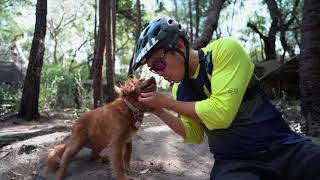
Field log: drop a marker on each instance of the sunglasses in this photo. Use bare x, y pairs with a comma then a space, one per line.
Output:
159, 64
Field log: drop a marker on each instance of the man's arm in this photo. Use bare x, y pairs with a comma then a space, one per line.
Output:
184, 108
190, 131
172, 121
158, 101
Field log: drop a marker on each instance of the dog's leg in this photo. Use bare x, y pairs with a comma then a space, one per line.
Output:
127, 155
72, 148
117, 160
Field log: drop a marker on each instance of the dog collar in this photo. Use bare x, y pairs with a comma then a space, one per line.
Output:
137, 112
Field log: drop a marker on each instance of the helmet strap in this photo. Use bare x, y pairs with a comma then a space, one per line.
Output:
186, 60
186, 63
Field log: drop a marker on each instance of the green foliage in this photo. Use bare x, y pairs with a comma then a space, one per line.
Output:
120, 79
9, 98
125, 4
77, 26
58, 87
256, 54
70, 31
124, 42
9, 28
261, 22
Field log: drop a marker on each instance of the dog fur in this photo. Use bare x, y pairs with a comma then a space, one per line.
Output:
110, 126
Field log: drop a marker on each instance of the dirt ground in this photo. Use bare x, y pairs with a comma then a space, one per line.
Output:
158, 153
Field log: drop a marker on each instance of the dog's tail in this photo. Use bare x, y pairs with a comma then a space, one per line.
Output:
54, 157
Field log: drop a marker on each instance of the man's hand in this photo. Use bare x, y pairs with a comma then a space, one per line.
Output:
158, 101
154, 100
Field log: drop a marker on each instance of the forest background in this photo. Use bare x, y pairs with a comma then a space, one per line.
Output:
69, 55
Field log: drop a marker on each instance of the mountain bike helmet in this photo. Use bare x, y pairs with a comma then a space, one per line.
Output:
160, 33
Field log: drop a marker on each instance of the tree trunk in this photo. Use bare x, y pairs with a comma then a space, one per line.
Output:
90, 61
110, 56
55, 51
270, 47
197, 7
190, 21
30, 97
310, 66
139, 27
284, 27
98, 60
175, 10
270, 40
280, 25
210, 25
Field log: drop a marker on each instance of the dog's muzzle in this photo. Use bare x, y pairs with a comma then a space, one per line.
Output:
149, 86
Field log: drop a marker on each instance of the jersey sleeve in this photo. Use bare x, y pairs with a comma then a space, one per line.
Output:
194, 131
232, 71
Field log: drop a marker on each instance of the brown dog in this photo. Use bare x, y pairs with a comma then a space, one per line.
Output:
112, 125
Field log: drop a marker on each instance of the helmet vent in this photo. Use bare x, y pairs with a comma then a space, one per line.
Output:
156, 31
179, 26
170, 21
146, 31
145, 25
144, 43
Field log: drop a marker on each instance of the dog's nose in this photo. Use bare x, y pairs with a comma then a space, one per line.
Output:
152, 78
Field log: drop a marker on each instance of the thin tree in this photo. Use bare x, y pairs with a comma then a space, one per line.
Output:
138, 19
278, 24
190, 21
138, 29
31, 87
310, 67
285, 26
176, 10
110, 50
56, 28
210, 24
270, 39
98, 59
197, 7
90, 59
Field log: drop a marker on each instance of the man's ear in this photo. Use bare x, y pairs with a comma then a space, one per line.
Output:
128, 88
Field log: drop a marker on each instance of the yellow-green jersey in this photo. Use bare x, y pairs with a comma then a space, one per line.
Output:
229, 70
239, 119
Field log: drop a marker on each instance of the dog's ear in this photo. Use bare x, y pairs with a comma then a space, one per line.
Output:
117, 89
128, 88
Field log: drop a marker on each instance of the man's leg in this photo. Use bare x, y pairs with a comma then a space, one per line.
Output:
233, 170
304, 161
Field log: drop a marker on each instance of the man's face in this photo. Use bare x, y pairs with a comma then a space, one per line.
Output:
167, 64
